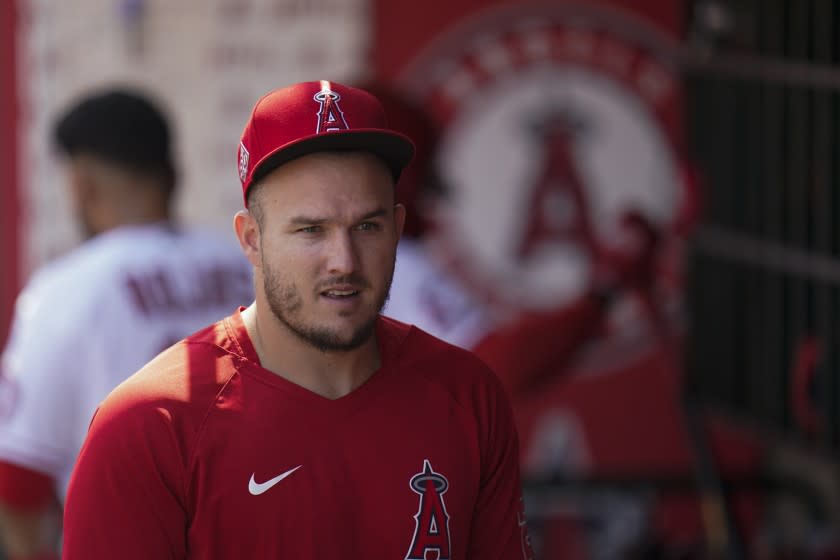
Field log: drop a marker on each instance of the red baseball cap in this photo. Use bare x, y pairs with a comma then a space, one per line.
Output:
315, 117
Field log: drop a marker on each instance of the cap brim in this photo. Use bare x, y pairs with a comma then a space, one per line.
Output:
395, 149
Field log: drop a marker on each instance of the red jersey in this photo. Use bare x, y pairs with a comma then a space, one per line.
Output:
205, 454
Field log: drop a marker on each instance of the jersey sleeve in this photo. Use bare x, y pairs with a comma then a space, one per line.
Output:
39, 383
498, 528
126, 495
23, 489
537, 347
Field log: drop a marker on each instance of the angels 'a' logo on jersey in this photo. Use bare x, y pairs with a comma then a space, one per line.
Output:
431, 531
330, 115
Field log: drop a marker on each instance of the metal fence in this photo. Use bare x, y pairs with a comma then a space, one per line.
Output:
763, 109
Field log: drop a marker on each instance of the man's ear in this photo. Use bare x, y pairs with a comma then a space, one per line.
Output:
81, 179
399, 218
248, 233
89, 199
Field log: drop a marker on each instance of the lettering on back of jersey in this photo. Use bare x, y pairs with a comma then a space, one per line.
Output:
157, 292
431, 539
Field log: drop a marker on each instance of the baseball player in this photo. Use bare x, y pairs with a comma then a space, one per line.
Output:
424, 293
526, 349
307, 425
91, 318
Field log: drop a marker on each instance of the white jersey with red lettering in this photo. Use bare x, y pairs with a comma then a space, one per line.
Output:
88, 320
425, 294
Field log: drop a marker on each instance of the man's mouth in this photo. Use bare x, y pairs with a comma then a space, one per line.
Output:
340, 293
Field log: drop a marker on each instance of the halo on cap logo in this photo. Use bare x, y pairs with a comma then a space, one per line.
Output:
244, 158
330, 115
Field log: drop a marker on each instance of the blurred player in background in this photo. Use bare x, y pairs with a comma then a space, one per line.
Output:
89, 319
307, 425
525, 349
424, 293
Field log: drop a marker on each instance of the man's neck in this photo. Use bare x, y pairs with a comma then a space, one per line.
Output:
329, 374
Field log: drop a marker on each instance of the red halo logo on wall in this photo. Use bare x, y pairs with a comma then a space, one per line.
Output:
558, 122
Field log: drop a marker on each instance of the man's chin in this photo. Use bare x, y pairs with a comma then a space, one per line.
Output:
350, 339
339, 338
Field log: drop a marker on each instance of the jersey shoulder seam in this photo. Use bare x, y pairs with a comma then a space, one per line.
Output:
208, 410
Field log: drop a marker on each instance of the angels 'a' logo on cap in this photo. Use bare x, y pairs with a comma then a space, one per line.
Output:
330, 115
244, 157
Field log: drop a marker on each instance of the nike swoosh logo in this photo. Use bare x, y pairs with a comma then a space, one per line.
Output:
257, 488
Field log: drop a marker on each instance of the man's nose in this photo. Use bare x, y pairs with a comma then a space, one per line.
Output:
343, 256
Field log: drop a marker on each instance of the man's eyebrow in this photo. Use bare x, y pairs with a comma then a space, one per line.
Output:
374, 214
305, 220
313, 220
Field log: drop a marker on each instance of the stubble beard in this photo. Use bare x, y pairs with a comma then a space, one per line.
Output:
285, 302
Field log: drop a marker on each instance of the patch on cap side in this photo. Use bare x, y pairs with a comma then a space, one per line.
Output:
244, 157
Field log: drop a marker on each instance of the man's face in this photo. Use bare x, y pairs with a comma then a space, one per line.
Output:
328, 236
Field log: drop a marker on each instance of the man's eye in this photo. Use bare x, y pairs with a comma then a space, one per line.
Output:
369, 226
310, 229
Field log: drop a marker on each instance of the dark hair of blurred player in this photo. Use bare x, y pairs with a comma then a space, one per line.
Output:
117, 178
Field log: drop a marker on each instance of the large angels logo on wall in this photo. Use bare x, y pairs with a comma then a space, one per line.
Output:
558, 122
